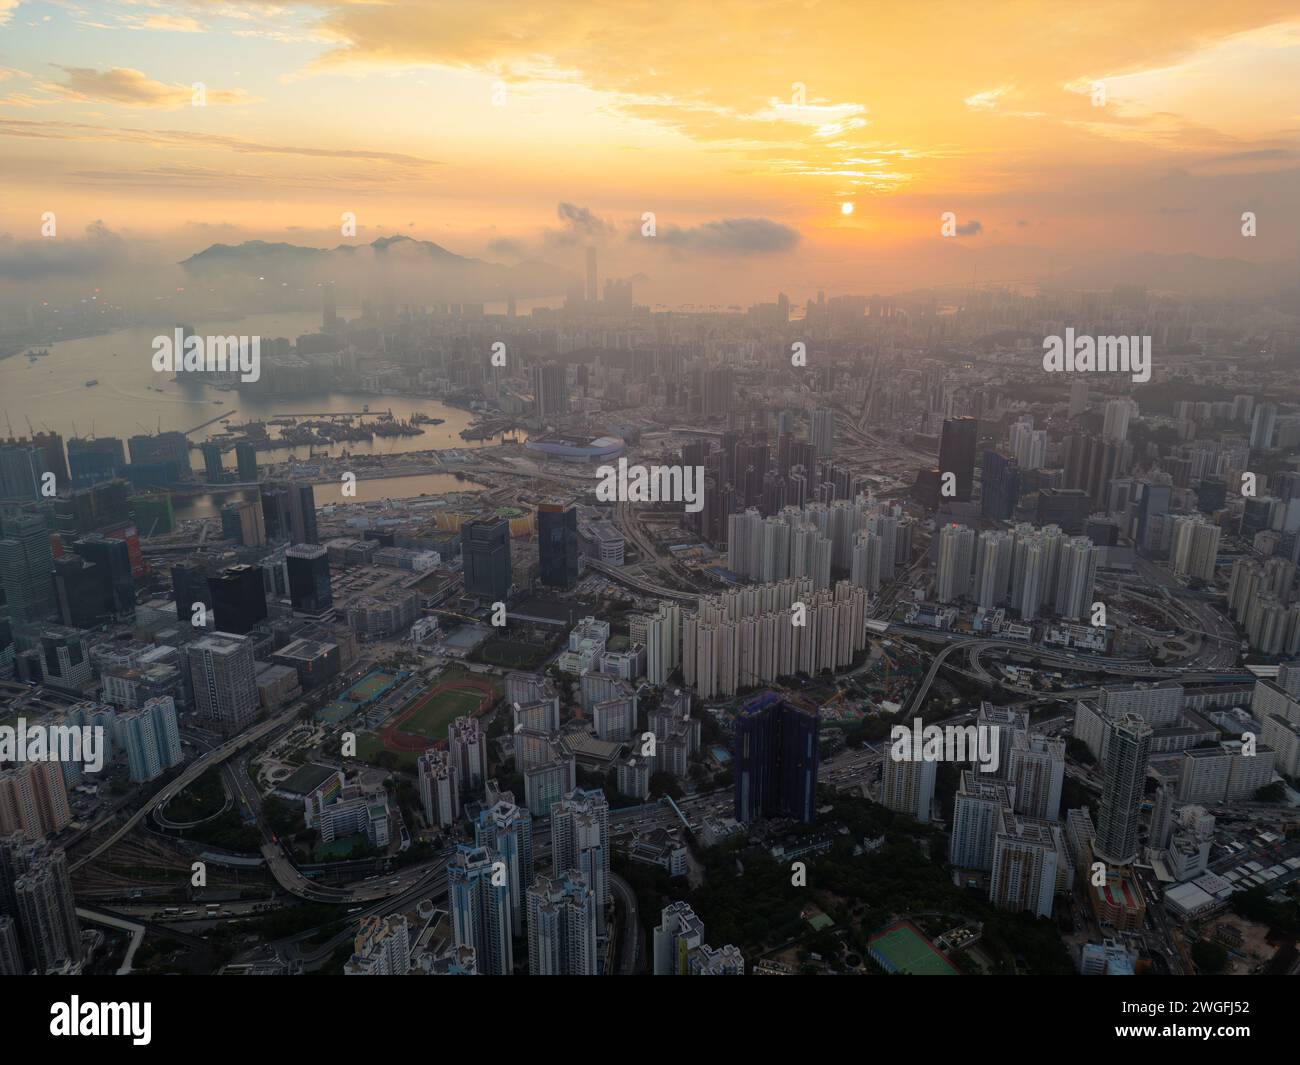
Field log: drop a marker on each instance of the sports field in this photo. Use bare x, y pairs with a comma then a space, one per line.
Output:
424, 720
370, 745
363, 692
901, 948
513, 655
369, 686
434, 712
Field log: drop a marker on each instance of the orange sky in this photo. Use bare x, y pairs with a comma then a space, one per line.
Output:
469, 123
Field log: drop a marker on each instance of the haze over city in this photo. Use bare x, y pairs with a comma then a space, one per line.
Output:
513, 134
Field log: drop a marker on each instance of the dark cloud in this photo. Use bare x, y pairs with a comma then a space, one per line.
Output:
730, 236
58, 256
578, 225
972, 228
1259, 154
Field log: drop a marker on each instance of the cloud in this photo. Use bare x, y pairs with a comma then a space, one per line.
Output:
826, 120
131, 88
185, 139
578, 225
972, 228
54, 257
986, 100
731, 236
172, 24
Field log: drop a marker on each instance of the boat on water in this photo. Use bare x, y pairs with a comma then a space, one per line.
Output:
91, 383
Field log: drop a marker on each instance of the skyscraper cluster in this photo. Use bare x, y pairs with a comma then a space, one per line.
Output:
1005, 822
750, 636
1033, 570
151, 737
39, 930
497, 898
1028, 445
1260, 600
1195, 547
866, 537
680, 950
33, 799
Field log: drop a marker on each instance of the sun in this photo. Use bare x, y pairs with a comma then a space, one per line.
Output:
846, 209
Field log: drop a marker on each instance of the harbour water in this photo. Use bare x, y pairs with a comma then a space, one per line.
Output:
131, 398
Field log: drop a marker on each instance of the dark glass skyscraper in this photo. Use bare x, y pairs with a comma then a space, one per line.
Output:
999, 487
1067, 507
550, 390
485, 551
239, 598
189, 586
957, 453
84, 599
94, 460
27, 566
246, 460
557, 545
213, 469
289, 511
275, 510
305, 513
309, 578
776, 755
112, 558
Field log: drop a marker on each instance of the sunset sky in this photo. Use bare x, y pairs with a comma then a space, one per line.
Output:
394, 111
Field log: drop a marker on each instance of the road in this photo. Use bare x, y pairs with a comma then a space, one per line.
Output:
616, 573
192, 773
628, 956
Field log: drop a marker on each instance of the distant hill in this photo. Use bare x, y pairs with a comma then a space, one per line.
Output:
396, 266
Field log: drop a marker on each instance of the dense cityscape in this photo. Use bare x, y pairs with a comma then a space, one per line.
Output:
373, 609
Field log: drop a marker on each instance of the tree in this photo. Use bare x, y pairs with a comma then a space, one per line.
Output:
1274, 792
665, 784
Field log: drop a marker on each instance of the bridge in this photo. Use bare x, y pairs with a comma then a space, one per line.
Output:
1122, 667
192, 773
210, 421
616, 574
